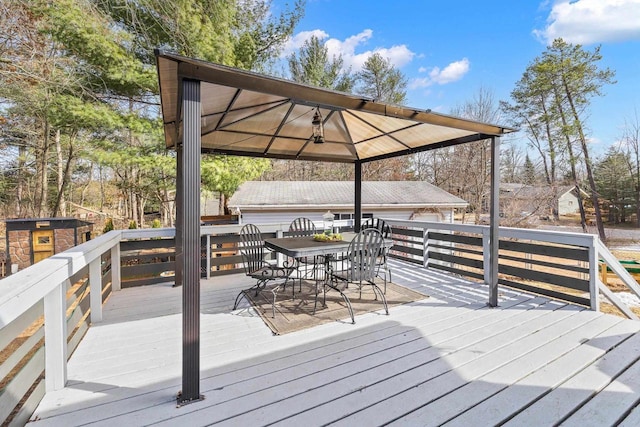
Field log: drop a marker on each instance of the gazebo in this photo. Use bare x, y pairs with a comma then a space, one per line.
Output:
210, 108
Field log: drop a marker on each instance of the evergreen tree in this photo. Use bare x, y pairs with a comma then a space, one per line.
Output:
380, 80
312, 66
528, 171
80, 76
614, 183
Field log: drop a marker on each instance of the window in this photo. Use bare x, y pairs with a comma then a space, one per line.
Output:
339, 216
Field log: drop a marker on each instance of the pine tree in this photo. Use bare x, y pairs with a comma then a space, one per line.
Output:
312, 66
528, 171
380, 80
551, 103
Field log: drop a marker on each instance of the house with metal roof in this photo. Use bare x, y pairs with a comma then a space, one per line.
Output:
262, 202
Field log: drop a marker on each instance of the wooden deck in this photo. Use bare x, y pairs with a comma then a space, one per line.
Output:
448, 359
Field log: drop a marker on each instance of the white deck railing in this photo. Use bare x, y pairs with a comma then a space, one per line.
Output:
47, 281
595, 250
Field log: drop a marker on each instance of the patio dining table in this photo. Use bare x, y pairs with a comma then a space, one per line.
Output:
306, 246
322, 251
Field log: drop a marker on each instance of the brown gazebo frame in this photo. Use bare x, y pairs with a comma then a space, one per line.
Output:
211, 108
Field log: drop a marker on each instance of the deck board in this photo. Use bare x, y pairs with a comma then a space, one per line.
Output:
447, 358
511, 398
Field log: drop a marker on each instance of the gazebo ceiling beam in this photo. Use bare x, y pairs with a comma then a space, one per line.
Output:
280, 126
382, 133
441, 144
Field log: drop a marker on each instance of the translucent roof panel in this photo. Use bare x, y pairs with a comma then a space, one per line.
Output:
378, 147
215, 98
245, 113
250, 99
260, 120
297, 123
382, 123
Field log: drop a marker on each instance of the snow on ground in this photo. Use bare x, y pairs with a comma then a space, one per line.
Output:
629, 298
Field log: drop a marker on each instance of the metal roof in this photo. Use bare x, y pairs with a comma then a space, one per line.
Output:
249, 114
306, 194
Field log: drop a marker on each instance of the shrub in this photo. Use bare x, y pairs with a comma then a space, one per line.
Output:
108, 225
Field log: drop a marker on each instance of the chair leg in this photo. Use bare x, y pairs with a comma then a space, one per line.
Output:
385, 280
239, 298
344, 297
274, 291
387, 270
346, 300
377, 290
315, 302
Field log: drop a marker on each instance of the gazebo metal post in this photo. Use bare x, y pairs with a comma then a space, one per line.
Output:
179, 215
189, 204
494, 222
357, 211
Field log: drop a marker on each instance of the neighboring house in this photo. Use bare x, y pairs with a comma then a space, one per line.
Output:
520, 199
30, 240
263, 202
568, 200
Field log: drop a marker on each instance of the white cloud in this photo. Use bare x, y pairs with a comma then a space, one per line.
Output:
451, 73
295, 42
399, 55
592, 21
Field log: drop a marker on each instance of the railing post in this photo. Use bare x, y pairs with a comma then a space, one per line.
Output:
95, 290
208, 256
486, 256
593, 274
494, 223
425, 242
116, 280
55, 338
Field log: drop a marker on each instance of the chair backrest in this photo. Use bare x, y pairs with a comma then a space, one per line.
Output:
363, 253
302, 227
251, 248
378, 224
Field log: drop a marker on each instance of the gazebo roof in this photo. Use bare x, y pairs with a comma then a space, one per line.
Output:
249, 114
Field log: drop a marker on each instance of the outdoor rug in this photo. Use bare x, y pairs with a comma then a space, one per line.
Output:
297, 313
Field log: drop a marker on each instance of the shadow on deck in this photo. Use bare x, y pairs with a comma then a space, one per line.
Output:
445, 359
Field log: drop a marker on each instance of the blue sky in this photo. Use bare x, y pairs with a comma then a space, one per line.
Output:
448, 50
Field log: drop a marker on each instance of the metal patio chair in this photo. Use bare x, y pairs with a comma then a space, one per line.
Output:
301, 227
358, 266
253, 254
381, 261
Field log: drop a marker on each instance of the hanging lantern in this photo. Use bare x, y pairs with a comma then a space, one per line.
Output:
317, 127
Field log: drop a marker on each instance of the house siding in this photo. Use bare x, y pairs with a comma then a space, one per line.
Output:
568, 204
285, 217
